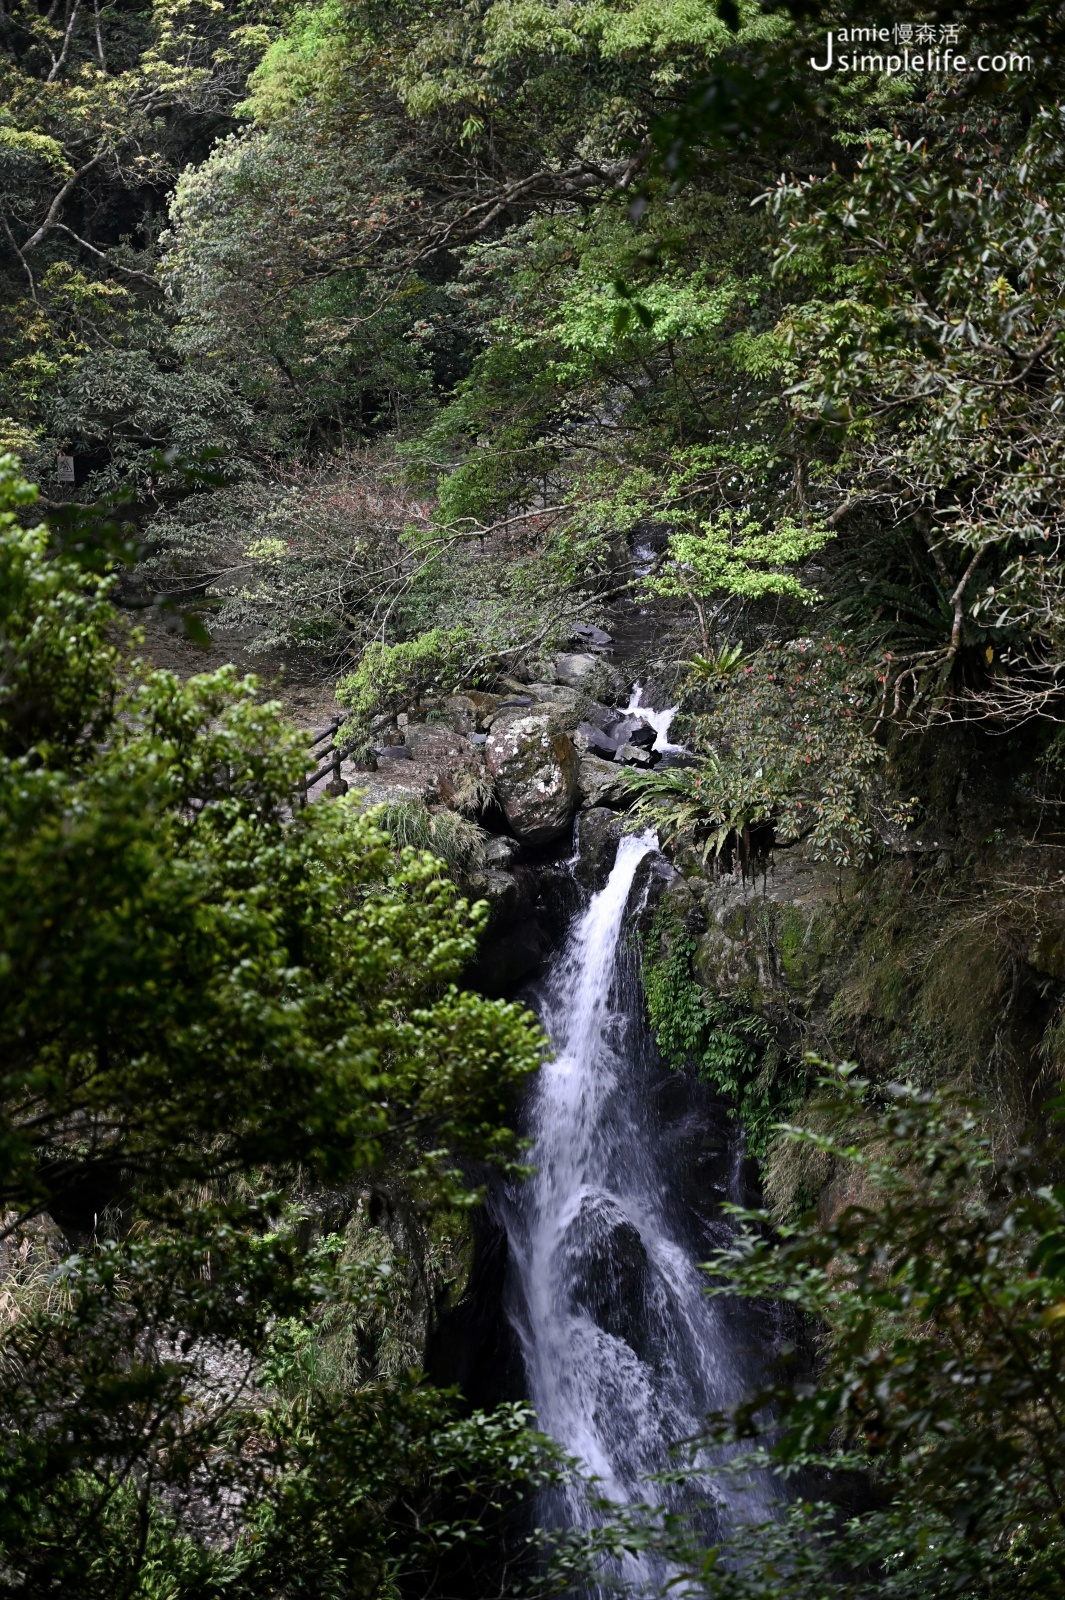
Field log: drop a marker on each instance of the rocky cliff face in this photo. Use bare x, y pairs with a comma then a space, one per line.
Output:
520, 765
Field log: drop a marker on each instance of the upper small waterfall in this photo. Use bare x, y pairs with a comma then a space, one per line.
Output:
660, 721
624, 1353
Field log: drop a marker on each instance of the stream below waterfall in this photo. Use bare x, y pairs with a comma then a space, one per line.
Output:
624, 1353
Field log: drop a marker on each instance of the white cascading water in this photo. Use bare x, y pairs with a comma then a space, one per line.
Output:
624, 1353
660, 720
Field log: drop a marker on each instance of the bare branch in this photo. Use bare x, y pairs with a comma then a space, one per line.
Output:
957, 599
849, 504
60, 61
99, 36
101, 255
56, 206
22, 258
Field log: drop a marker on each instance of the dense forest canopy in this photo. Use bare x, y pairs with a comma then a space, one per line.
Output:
390, 341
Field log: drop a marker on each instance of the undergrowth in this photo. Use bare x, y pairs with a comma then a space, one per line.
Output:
726, 1046
458, 841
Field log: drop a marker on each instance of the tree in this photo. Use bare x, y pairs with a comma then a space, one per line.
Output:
205, 988
727, 559
103, 107
936, 1286
934, 362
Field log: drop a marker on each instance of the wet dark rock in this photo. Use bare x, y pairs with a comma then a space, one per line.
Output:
591, 638
500, 852
601, 784
608, 1272
683, 905
518, 936
632, 730
595, 741
394, 752
502, 891
598, 833
472, 1342
601, 716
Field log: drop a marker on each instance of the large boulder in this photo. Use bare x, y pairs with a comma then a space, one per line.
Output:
634, 755
590, 674
534, 766
607, 1274
471, 711
592, 639
602, 783
557, 694
574, 669
631, 730
591, 740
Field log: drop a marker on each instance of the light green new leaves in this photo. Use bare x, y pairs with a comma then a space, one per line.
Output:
731, 555
593, 318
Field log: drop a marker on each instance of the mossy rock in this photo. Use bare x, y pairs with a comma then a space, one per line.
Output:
1047, 952
722, 965
803, 947
682, 906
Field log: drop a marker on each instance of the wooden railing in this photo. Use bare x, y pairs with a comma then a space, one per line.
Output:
331, 764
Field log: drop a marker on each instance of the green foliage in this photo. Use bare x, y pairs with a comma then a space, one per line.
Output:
612, 389
452, 838
429, 229
932, 354
206, 953
308, 57
730, 558
103, 106
728, 1047
937, 1284
265, 260
170, 1366
202, 988
784, 740
391, 677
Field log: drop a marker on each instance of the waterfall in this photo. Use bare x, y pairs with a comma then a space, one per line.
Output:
660, 720
624, 1352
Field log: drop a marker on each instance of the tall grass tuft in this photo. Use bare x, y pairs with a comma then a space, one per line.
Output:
457, 840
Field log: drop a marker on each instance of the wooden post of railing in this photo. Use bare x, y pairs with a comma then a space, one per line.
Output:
336, 785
